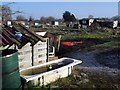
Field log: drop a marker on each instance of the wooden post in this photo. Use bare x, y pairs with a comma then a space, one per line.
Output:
47, 50
59, 38
32, 55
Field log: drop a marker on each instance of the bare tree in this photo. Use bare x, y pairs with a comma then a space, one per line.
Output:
43, 20
6, 12
20, 17
46, 19
31, 19
116, 18
90, 16
50, 18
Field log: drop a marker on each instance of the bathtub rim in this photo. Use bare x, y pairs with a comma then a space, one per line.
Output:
32, 77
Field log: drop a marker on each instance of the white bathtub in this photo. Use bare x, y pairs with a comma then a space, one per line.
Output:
43, 77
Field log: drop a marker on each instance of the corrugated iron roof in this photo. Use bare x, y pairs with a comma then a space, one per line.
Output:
7, 35
33, 33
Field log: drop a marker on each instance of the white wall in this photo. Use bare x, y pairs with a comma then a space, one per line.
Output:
25, 54
9, 23
36, 24
115, 24
56, 23
91, 21
40, 52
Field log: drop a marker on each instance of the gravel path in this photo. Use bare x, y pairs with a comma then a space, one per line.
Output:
89, 61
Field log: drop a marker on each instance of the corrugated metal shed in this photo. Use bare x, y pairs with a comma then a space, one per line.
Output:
7, 35
32, 48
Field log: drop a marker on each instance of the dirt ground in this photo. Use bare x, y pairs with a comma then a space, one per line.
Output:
100, 66
99, 70
90, 59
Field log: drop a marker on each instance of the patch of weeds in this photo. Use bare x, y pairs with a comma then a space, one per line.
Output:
45, 87
71, 77
94, 80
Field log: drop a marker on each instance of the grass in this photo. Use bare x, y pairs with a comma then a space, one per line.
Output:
92, 40
113, 40
111, 44
98, 35
82, 33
